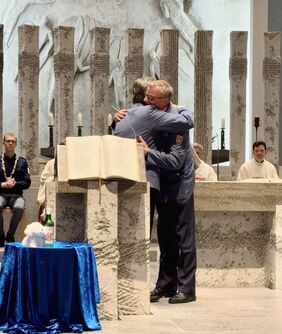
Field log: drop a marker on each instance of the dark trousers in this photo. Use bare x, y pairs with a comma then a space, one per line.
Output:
176, 234
154, 205
16, 203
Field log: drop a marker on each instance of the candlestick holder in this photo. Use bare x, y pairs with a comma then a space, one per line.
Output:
222, 139
110, 130
256, 125
51, 135
79, 131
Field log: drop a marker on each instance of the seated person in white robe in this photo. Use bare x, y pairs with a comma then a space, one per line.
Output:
46, 175
203, 171
258, 167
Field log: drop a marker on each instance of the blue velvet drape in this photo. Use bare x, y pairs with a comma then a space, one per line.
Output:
49, 290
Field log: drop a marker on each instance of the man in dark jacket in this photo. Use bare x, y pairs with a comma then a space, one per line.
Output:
14, 178
176, 227
148, 121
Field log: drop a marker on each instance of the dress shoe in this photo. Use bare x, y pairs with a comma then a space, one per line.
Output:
157, 294
181, 297
10, 237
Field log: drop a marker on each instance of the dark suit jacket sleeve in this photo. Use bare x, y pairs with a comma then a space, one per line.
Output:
24, 182
174, 159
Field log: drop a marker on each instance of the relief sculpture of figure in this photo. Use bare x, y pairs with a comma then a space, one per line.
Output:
117, 78
155, 62
172, 10
82, 27
18, 12
81, 48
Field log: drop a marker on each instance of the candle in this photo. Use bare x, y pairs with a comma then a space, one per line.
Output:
51, 119
222, 123
79, 119
110, 119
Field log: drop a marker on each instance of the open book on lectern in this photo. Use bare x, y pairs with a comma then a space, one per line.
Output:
99, 157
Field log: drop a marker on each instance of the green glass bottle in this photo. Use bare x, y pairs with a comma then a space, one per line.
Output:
49, 229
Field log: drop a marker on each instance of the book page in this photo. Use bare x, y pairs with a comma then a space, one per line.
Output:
83, 157
120, 158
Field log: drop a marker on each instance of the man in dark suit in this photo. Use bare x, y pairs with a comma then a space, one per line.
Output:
14, 178
147, 121
176, 227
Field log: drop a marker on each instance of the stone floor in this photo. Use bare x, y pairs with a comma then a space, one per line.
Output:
217, 310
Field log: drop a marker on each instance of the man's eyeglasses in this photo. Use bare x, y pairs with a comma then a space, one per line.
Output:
10, 141
152, 97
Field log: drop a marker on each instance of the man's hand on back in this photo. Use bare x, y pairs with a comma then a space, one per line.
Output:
143, 144
119, 115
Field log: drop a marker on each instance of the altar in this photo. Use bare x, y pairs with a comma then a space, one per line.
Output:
239, 234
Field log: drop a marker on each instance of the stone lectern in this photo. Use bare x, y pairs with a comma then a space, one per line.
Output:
114, 217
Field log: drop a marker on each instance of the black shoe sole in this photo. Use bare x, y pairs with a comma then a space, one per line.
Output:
181, 300
154, 299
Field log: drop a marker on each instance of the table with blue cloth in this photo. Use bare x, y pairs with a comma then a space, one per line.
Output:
49, 290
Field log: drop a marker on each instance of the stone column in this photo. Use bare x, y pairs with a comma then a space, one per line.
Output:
238, 78
258, 25
64, 80
134, 61
1, 81
28, 75
169, 60
134, 241
271, 76
99, 71
203, 91
101, 230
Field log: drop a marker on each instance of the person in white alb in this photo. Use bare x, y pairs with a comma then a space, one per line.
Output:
203, 171
258, 167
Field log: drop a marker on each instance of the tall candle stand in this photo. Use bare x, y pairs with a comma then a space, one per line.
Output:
222, 139
79, 130
51, 135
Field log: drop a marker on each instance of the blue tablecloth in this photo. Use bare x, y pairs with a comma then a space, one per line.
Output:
49, 289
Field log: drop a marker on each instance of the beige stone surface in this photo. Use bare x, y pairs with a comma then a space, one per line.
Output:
271, 76
238, 79
101, 230
99, 71
237, 196
64, 80
238, 234
133, 266
273, 261
28, 77
203, 72
169, 59
134, 60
